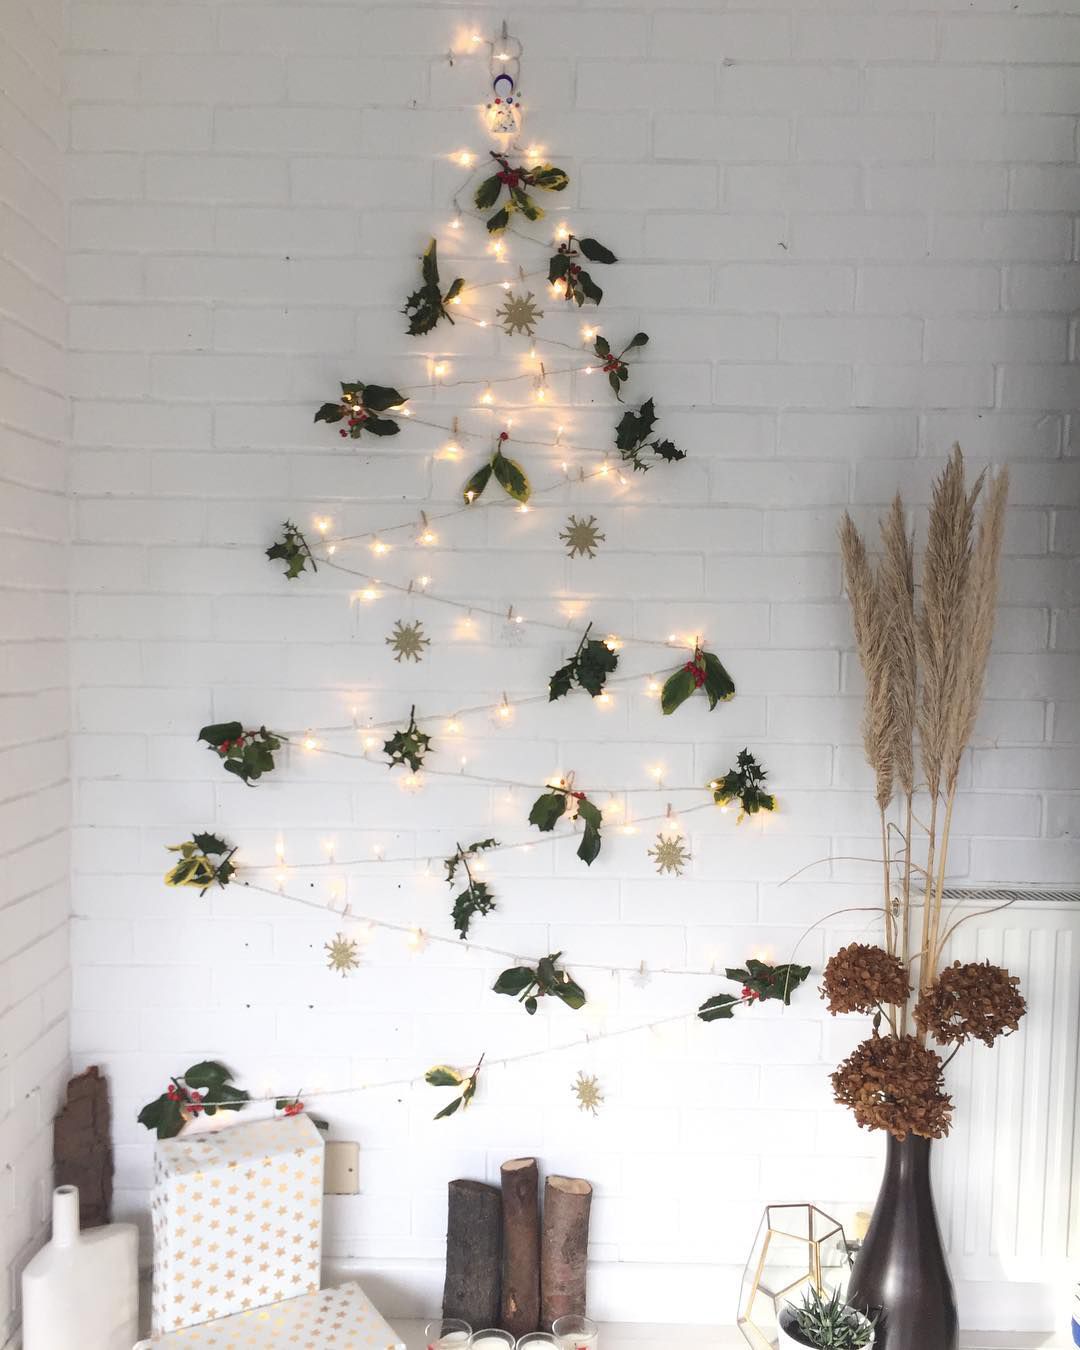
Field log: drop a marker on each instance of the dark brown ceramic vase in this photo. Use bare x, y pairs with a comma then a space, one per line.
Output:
901, 1272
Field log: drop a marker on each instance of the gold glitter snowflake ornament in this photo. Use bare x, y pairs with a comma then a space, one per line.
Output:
342, 954
670, 853
586, 1088
581, 537
408, 641
519, 314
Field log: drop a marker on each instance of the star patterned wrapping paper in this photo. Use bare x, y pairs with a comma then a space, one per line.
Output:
333, 1319
237, 1220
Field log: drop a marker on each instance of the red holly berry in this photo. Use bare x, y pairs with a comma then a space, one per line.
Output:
174, 1093
504, 435
195, 1102
697, 671
343, 433
751, 995
294, 1108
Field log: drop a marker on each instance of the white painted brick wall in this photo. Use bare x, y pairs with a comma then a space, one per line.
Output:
34, 682
850, 233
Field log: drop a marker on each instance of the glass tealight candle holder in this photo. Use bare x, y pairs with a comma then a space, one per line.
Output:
448, 1333
576, 1333
492, 1338
536, 1340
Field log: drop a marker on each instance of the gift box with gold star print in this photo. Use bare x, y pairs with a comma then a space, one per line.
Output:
332, 1319
237, 1220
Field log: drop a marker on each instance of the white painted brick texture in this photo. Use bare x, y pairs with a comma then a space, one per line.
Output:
34, 685
851, 236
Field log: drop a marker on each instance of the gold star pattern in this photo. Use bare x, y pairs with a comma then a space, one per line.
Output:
586, 1088
408, 641
342, 954
670, 853
519, 314
581, 537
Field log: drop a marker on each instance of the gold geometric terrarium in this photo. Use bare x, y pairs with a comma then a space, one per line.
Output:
796, 1245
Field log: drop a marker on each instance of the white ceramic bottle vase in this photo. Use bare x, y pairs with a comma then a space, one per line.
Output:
81, 1291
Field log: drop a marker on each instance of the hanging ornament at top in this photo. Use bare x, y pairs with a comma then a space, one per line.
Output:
504, 111
504, 106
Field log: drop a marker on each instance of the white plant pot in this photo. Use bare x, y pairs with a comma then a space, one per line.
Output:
788, 1342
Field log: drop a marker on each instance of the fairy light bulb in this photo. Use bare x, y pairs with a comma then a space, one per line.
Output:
310, 743
523, 509
465, 158
656, 772
328, 847
506, 285
380, 547
588, 334
558, 289
412, 782
453, 727
604, 469
470, 496
451, 450
534, 151
428, 537
455, 224
475, 39
504, 712
439, 369
279, 850
423, 582
322, 524
605, 700
562, 232
379, 851
613, 643
457, 299
331, 549
368, 594
487, 398
589, 370
370, 742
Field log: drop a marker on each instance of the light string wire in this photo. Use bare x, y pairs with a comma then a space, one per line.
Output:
415, 589
281, 867
589, 1038
466, 944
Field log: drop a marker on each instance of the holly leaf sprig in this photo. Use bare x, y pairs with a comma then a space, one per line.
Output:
293, 550
514, 180
569, 278
186, 1097
507, 472
476, 898
205, 861
428, 304
743, 783
529, 985
759, 982
408, 746
614, 364
442, 1075
552, 805
632, 439
248, 754
702, 671
359, 408
589, 667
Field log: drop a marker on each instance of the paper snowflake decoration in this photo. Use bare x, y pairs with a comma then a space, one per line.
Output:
582, 537
408, 641
519, 314
641, 978
586, 1089
670, 853
342, 954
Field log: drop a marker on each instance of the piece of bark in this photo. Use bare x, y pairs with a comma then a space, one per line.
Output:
82, 1146
564, 1251
473, 1249
521, 1246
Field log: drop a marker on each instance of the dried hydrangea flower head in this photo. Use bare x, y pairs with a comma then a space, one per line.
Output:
972, 1001
893, 1083
863, 978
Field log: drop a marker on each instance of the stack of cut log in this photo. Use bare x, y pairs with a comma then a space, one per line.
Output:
504, 1268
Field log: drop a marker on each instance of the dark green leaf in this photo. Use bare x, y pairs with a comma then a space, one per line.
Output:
589, 288
330, 412
380, 426
595, 663
596, 252
558, 266
498, 221
719, 686
379, 397
515, 981
549, 178
476, 484
209, 843
511, 476
591, 819
487, 193
677, 689
448, 1110
717, 1008
638, 340
209, 1074
668, 451
561, 682
602, 347
443, 1076
530, 1006
547, 809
